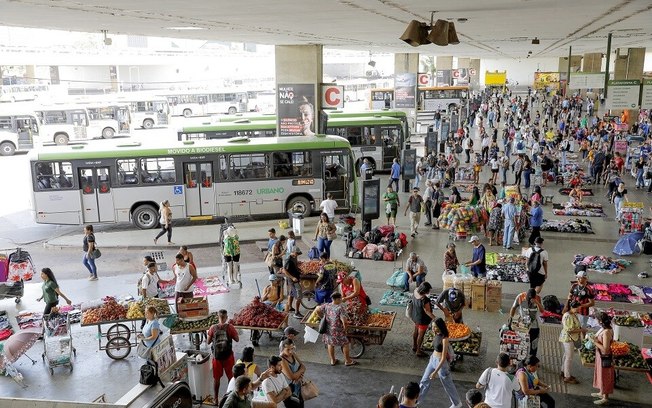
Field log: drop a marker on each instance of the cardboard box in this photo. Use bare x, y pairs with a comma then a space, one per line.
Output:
478, 294
493, 296
197, 307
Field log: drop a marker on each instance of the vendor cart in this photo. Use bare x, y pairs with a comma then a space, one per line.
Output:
308, 298
57, 341
515, 343
257, 332
361, 336
633, 361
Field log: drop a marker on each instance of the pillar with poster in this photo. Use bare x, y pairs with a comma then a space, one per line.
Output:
370, 203
296, 110
409, 171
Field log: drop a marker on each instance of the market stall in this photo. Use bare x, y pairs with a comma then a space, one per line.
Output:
309, 273
123, 319
506, 267
462, 219
466, 346
631, 217
196, 329
578, 209
600, 263
574, 226
259, 318
610, 294
626, 357
372, 332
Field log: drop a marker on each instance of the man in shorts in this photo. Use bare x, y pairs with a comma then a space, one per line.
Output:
537, 271
582, 292
293, 280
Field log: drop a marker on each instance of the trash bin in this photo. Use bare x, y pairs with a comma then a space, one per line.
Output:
297, 222
200, 374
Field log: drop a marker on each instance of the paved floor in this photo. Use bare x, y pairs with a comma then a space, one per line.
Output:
380, 367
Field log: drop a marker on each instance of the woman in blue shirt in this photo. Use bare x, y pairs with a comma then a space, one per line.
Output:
151, 334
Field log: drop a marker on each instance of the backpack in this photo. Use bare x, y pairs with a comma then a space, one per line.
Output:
403, 238
377, 256
388, 256
222, 344
223, 399
313, 253
369, 251
519, 145
534, 262
149, 374
551, 304
359, 244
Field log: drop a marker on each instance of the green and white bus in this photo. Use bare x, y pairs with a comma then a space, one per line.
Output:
377, 138
201, 178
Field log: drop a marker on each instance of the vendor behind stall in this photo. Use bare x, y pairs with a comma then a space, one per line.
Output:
354, 297
273, 293
326, 279
451, 301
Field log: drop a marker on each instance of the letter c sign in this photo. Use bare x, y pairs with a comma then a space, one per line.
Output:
332, 96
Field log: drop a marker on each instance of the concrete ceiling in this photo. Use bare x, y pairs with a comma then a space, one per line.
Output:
495, 28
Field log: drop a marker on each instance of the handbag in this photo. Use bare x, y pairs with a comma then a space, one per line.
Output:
323, 325
96, 253
143, 351
607, 360
309, 390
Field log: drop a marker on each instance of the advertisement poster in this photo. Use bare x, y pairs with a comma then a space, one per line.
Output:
405, 89
623, 93
296, 109
586, 81
646, 100
443, 77
546, 80
461, 76
495, 78
164, 354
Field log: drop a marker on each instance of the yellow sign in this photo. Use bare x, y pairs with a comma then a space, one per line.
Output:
633, 205
543, 80
495, 78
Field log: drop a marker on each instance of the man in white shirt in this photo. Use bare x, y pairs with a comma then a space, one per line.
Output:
149, 282
498, 384
328, 206
276, 386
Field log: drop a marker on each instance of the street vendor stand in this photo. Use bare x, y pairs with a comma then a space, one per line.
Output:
257, 332
631, 217
633, 361
466, 346
359, 336
196, 329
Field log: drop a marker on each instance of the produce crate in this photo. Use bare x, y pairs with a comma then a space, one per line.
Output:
193, 308
478, 294
493, 296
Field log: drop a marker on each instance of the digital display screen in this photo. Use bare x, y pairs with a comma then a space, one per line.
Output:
370, 199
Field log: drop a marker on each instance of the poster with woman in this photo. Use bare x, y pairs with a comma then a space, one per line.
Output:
296, 109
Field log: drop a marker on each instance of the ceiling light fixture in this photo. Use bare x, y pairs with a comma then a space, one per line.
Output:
535, 41
442, 33
184, 28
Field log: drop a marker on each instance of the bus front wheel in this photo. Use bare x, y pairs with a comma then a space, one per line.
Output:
145, 217
7, 149
299, 205
187, 113
108, 133
61, 139
232, 110
148, 123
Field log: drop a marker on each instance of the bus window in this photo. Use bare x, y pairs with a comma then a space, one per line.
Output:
157, 170
369, 137
53, 175
249, 166
390, 137
127, 171
292, 164
86, 181
224, 171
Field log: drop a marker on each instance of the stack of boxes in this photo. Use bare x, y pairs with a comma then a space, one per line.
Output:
486, 295
478, 286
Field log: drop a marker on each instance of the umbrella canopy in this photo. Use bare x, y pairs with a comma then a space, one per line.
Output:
18, 344
626, 245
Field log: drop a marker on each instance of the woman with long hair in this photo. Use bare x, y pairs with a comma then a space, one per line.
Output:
51, 291
165, 219
325, 233
422, 316
88, 246
455, 197
571, 332
438, 365
604, 378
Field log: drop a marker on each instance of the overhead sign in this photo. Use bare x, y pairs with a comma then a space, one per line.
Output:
423, 79
444, 77
405, 91
332, 96
623, 93
546, 80
461, 76
495, 78
472, 72
646, 97
581, 80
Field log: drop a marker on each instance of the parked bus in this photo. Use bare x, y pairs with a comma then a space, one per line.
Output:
378, 138
111, 119
60, 124
201, 103
202, 179
432, 98
17, 132
149, 112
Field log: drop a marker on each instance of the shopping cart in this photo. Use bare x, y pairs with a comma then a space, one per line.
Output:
57, 341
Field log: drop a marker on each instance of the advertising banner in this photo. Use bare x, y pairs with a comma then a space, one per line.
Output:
405, 91
646, 98
296, 109
332, 96
495, 78
423, 79
623, 93
546, 80
461, 76
580, 80
443, 77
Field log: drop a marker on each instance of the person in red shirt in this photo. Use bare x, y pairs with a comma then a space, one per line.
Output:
620, 163
583, 293
222, 362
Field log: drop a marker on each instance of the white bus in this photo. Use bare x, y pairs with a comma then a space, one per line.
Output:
201, 103
17, 132
148, 112
111, 119
62, 125
202, 179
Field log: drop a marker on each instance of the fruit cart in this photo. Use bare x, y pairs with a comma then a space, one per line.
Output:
196, 329
124, 323
257, 332
259, 318
632, 361
378, 324
466, 345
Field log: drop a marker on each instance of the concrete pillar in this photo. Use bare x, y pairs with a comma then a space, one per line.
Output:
464, 63
444, 63
576, 64
54, 75
300, 65
30, 74
408, 64
113, 75
474, 67
629, 65
592, 62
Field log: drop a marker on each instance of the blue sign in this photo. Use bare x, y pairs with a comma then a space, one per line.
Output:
178, 190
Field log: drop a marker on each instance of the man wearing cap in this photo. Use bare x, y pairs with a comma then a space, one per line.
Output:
451, 301
273, 293
536, 221
582, 292
528, 304
289, 333
414, 205
537, 265
478, 263
416, 270
509, 222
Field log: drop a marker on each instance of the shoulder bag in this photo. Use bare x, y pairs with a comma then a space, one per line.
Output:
607, 359
323, 325
96, 253
309, 390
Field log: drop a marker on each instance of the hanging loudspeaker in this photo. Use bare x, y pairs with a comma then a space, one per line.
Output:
452, 34
415, 34
439, 33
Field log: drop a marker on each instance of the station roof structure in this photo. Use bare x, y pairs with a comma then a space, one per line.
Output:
492, 29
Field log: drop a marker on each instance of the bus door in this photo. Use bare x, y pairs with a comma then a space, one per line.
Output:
243, 102
79, 121
27, 130
335, 173
390, 139
96, 194
200, 188
124, 119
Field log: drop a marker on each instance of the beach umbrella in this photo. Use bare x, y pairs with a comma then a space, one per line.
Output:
626, 245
